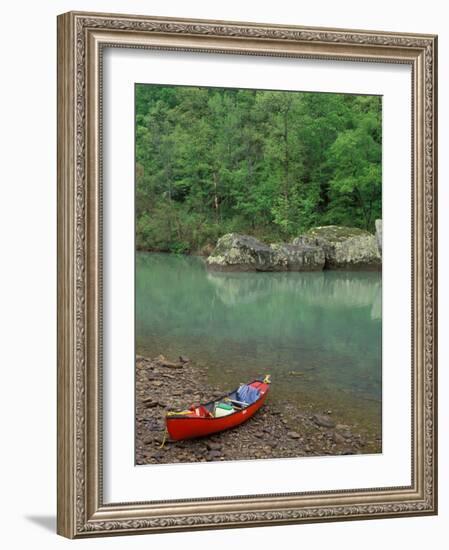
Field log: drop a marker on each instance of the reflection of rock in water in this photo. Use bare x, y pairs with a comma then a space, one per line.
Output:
376, 309
325, 289
240, 288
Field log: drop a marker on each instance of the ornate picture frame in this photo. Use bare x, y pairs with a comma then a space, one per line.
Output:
82, 38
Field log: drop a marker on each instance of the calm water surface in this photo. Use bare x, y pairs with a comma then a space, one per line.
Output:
318, 334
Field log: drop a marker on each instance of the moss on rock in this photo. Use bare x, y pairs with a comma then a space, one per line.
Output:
344, 247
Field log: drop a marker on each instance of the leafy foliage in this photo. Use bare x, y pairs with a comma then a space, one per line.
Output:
268, 163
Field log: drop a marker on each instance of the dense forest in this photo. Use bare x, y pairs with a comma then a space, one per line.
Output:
270, 164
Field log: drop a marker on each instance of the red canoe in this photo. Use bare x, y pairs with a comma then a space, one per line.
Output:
236, 407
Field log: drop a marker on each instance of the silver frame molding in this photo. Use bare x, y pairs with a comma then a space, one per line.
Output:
81, 39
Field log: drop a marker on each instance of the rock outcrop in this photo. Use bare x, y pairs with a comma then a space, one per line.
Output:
236, 252
379, 235
327, 247
344, 247
300, 257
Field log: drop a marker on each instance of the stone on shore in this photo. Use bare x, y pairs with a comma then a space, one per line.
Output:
323, 420
344, 247
236, 252
379, 235
213, 455
164, 362
299, 257
338, 438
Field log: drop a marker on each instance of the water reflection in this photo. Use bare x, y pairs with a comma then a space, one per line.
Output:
325, 325
330, 289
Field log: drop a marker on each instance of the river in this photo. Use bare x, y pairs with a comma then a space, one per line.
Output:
318, 334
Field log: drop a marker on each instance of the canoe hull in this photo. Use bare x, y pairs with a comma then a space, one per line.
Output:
191, 428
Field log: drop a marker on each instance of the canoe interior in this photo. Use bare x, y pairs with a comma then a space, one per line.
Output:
188, 427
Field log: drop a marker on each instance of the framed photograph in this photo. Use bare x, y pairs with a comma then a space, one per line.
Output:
246, 274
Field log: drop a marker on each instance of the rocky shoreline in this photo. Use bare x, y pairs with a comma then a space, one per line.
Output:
326, 247
163, 385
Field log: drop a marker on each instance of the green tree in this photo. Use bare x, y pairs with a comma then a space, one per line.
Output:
272, 164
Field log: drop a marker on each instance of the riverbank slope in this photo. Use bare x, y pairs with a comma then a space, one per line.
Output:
163, 385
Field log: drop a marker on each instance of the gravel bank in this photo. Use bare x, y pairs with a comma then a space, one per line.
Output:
163, 385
